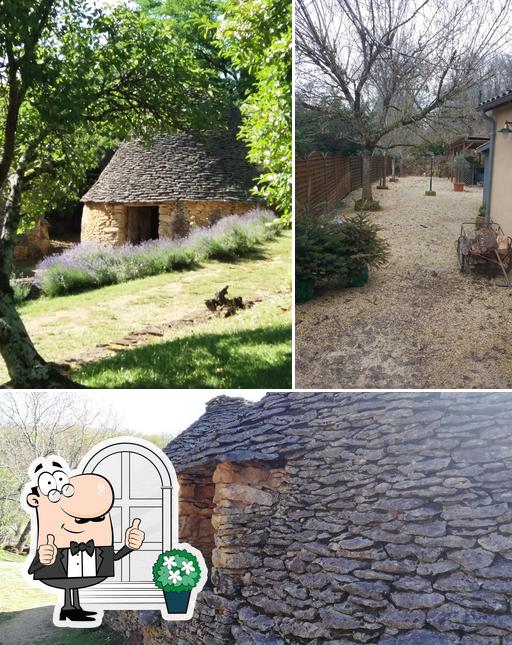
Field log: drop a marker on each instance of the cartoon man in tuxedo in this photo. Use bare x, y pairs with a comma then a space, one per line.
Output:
74, 534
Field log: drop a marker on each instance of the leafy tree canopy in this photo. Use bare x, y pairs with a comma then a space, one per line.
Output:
257, 36
101, 76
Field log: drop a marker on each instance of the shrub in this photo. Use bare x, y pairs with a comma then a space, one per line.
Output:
460, 167
89, 266
328, 249
21, 292
176, 570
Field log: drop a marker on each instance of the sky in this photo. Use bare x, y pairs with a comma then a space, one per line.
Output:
159, 411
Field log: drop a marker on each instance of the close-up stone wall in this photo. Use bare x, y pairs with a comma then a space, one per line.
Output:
351, 518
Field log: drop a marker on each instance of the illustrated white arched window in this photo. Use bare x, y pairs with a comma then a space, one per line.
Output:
143, 488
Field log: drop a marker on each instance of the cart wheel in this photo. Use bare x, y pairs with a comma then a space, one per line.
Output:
463, 260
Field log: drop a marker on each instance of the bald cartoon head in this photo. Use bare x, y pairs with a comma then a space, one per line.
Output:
73, 508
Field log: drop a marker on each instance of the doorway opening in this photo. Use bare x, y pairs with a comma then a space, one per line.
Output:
142, 224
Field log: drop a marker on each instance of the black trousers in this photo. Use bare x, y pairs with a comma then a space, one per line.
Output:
71, 587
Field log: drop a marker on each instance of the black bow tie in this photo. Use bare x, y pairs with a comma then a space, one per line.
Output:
75, 547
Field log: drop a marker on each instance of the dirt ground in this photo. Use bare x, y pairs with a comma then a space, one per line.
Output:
419, 322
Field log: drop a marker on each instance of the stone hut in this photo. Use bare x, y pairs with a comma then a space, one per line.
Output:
346, 518
165, 188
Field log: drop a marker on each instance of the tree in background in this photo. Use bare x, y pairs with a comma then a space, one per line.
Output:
323, 127
37, 424
396, 63
74, 80
256, 35
249, 43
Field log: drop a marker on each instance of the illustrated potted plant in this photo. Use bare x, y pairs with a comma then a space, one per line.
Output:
459, 166
177, 572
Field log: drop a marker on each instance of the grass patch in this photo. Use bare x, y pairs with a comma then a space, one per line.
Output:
96, 636
30, 609
21, 596
5, 616
8, 556
70, 326
251, 350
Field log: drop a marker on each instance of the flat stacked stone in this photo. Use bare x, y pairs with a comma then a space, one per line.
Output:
352, 518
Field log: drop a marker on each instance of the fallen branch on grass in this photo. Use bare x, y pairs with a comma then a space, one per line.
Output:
225, 306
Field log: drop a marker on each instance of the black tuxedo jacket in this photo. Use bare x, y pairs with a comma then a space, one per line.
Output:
105, 558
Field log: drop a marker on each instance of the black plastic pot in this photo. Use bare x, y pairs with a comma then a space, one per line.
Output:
304, 289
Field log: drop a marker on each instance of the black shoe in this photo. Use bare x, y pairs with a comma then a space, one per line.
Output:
77, 615
87, 612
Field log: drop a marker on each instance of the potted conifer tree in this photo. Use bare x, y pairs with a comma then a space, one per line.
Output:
460, 166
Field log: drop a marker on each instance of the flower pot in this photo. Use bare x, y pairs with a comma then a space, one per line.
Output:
304, 289
458, 187
177, 601
360, 279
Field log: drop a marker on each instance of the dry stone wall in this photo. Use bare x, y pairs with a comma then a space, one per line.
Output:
35, 243
104, 223
177, 219
108, 223
352, 518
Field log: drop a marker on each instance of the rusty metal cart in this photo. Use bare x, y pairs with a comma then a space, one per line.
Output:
483, 246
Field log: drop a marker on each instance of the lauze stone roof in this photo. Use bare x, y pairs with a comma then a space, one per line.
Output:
349, 518
208, 166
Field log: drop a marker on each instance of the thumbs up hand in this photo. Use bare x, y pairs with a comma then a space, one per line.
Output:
134, 537
48, 551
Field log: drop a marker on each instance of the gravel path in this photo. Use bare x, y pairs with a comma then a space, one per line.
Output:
418, 323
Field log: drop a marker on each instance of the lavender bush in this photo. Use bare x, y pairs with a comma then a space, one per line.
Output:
89, 266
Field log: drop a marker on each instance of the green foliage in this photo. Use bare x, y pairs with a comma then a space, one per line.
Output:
256, 35
367, 205
102, 75
327, 129
176, 570
21, 292
428, 147
89, 267
336, 250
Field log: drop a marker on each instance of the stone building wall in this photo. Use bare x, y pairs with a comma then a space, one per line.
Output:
108, 223
353, 518
35, 243
104, 223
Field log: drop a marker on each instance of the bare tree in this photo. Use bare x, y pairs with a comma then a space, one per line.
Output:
395, 63
36, 424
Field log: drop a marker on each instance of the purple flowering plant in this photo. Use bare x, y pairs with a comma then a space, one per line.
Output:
90, 265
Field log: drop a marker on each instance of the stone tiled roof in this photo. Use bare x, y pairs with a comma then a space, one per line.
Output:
236, 430
495, 101
209, 166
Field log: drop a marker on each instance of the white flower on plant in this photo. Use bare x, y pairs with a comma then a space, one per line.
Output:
169, 561
174, 577
187, 567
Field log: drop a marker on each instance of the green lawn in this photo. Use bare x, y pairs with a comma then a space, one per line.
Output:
251, 349
20, 595
26, 613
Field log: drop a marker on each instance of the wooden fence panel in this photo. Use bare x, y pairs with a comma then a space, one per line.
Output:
356, 172
323, 180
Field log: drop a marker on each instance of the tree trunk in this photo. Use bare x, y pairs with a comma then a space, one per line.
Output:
20, 544
367, 176
26, 367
